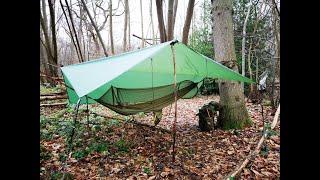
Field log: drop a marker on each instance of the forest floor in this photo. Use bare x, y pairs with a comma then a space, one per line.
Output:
109, 148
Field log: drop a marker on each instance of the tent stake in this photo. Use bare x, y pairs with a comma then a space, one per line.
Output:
175, 104
74, 124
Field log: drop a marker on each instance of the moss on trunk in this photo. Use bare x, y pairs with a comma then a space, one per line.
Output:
234, 117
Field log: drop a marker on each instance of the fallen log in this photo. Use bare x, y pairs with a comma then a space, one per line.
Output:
257, 149
134, 122
54, 104
54, 93
44, 98
50, 77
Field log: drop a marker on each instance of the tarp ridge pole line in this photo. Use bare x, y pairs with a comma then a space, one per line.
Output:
175, 102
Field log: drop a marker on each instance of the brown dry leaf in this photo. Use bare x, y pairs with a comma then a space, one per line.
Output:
203, 155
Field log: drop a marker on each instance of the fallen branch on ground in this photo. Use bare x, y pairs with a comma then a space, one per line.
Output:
53, 97
134, 122
257, 149
54, 104
54, 93
50, 77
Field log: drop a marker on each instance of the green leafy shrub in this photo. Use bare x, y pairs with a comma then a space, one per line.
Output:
59, 175
79, 154
147, 170
113, 122
98, 147
44, 154
122, 145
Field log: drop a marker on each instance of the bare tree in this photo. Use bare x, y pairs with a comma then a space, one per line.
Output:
49, 42
129, 29
74, 31
162, 30
187, 22
151, 22
170, 20
71, 32
276, 57
243, 69
95, 27
126, 7
141, 15
110, 27
53, 32
174, 14
234, 113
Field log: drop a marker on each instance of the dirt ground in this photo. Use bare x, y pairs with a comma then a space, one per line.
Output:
114, 149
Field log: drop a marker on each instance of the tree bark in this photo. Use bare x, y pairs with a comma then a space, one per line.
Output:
43, 63
162, 30
170, 20
45, 49
125, 26
110, 28
276, 58
44, 13
53, 34
187, 22
95, 27
129, 28
152, 26
141, 15
234, 114
47, 43
174, 14
72, 30
249, 65
243, 57
81, 34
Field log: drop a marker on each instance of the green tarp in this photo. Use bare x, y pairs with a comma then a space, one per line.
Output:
142, 80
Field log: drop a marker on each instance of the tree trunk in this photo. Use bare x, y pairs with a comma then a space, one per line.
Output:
187, 22
243, 58
71, 31
74, 32
47, 43
53, 35
111, 30
152, 28
81, 34
43, 63
174, 14
234, 114
95, 27
170, 20
249, 65
129, 28
44, 13
125, 25
141, 15
276, 57
162, 30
